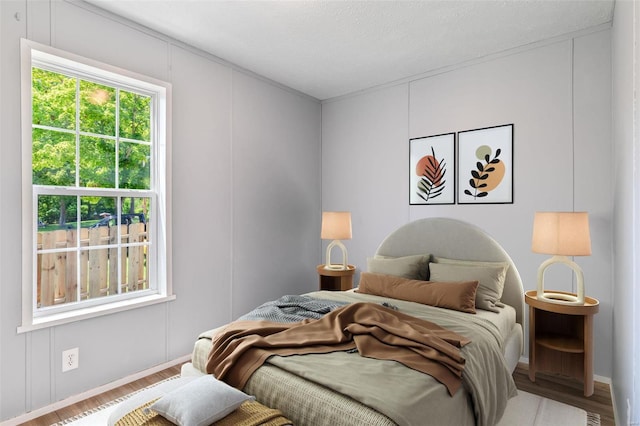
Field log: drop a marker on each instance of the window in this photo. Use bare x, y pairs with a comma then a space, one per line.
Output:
94, 188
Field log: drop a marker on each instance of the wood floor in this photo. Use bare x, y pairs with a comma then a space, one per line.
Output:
568, 391
103, 398
553, 387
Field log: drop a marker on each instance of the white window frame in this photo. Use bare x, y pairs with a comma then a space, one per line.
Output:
160, 288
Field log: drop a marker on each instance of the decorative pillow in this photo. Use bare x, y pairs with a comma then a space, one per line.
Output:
414, 267
145, 396
490, 277
438, 259
199, 403
459, 296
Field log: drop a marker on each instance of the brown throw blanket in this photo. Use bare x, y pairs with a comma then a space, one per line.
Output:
374, 330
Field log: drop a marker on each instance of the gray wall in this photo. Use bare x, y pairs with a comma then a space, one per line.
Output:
557, 95
247, 155
626, 318
246, 201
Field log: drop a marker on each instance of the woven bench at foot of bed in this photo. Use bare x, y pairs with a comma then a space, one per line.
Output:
250, 413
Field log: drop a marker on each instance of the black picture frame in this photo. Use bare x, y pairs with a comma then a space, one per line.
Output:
485, 165
432, 169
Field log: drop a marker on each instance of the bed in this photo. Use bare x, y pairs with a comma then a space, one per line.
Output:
344, 388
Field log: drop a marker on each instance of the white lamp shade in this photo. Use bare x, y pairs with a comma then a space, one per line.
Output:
561, 233
336, 226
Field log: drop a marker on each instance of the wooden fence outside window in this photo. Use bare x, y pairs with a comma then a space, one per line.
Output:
57, 272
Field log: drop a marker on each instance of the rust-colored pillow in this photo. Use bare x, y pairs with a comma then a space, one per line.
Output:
460, 296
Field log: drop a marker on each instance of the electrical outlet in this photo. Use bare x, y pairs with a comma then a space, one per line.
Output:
70, 359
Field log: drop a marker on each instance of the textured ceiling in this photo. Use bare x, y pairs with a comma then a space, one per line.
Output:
331, 48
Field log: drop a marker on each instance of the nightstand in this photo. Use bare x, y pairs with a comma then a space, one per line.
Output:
561, 338
336, 279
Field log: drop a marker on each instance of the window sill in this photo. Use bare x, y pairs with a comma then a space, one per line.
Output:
93, 312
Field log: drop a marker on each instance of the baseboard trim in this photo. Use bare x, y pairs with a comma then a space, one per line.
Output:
524, 361
615, 407
92, 392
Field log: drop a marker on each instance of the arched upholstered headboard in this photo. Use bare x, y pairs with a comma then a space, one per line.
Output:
455, 239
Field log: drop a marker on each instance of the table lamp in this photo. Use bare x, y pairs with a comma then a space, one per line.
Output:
561, 234
336, 226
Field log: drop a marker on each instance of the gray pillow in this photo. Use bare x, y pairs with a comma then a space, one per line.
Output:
490, 277
201, 402
414, 267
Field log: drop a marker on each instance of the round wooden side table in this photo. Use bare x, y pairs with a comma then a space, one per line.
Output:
336, 279
561, 338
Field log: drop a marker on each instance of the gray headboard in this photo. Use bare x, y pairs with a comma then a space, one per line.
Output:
455, 239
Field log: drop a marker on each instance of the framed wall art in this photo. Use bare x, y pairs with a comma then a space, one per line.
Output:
485, 165
431, 169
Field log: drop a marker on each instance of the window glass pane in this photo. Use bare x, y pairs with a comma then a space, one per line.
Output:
135, 167
97, 211
97, 162
97, 108
53, 99
57, 271
135, 116
57, 279
56, 212
136, 273
137, 210
53, 158
99, 266
135, 214
134, 259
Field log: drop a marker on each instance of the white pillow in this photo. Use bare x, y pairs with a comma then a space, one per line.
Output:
201, 402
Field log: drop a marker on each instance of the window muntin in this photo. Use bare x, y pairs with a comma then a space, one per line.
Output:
97, 146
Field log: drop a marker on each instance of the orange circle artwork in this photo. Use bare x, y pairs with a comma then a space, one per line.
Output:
495, 176
428, 162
